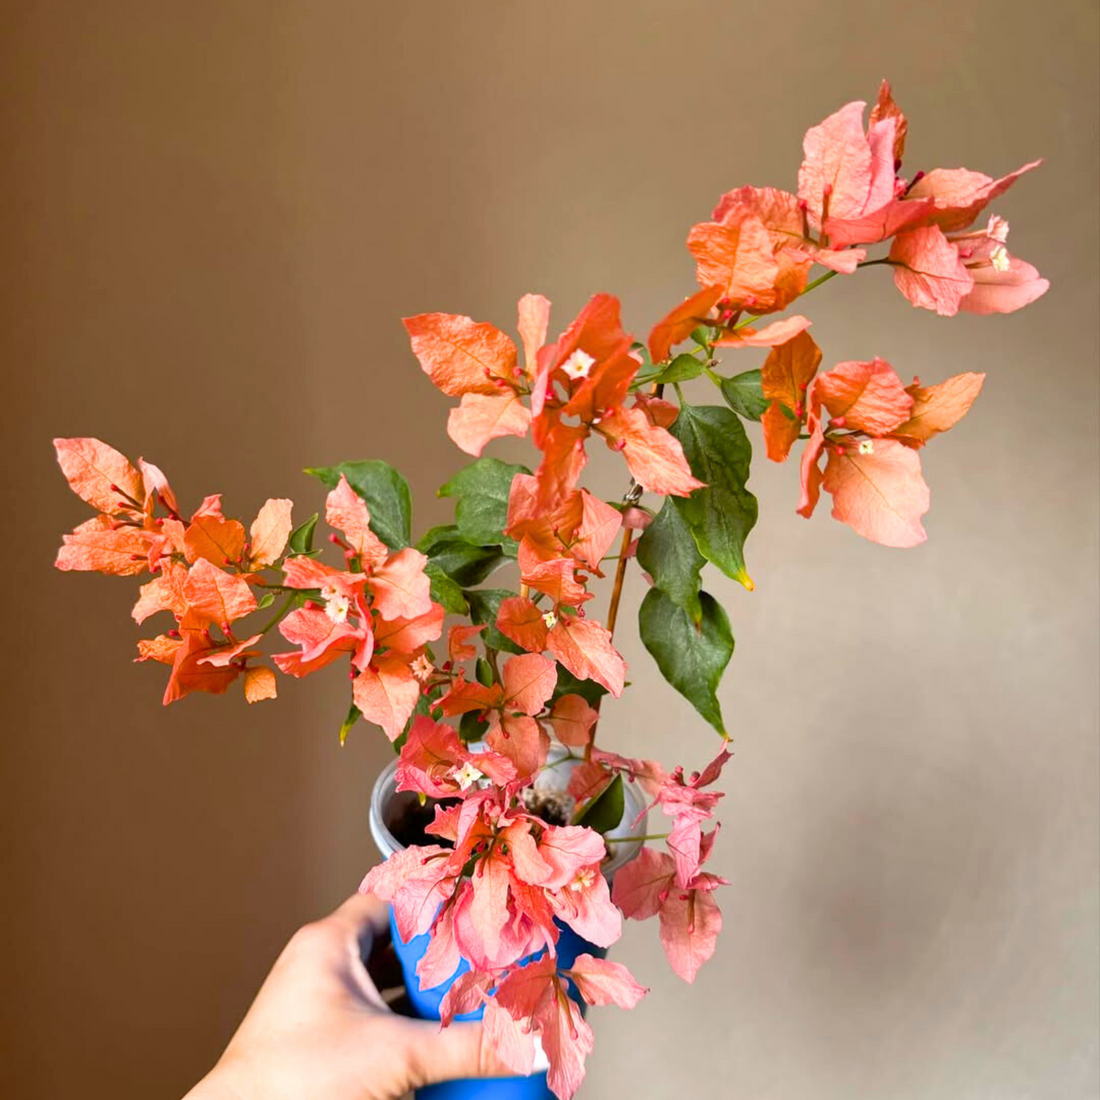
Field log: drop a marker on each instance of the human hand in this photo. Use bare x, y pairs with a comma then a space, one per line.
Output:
319, 1028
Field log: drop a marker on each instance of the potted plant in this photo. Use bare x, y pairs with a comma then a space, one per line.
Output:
515, 837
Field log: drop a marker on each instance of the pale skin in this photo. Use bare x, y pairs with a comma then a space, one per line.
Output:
319, 1028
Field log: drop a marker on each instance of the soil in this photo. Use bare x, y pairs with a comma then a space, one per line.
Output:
553, 807
408, 819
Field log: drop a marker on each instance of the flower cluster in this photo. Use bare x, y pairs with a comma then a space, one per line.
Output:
525, 669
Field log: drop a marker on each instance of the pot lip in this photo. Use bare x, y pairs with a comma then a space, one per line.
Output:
622, 851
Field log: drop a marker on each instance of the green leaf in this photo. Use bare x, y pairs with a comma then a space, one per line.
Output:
471, 727
354, 714
691, 657
568, 684
683, 368
385, 491
745, 395
301, 538
667, 552
266, 601
482, 489
484, 608
484, 672
467, 565
722, 514
605, 811
446, 591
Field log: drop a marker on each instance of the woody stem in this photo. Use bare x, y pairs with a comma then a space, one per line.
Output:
620, 575
616, 597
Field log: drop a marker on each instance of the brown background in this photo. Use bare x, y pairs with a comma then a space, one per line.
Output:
216, 212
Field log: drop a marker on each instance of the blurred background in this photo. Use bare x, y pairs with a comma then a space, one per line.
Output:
216, 214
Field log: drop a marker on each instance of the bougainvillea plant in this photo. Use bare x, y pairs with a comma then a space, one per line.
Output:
473, 717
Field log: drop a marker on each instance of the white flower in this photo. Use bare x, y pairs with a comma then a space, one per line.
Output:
578, 364
466, 776
422, 668
1000, 258
336, 604
584, 879
866, 447
550, 619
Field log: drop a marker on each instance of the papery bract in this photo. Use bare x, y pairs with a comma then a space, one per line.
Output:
928, 270
784, 378
269, 532
347, 512
99, 474
386, 692
879, 492
937, 408
959, 196
603, 982
690, 920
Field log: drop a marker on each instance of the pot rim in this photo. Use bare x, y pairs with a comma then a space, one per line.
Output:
624, 845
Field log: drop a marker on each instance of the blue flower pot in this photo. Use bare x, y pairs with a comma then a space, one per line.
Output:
386, 804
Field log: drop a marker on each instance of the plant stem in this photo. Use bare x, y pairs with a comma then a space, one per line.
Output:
287, 604
822, 279
620, 576
627, 839
616, 597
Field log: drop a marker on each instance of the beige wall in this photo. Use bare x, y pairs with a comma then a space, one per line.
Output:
216, 213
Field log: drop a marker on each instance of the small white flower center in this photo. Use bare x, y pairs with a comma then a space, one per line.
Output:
466, 776
866, 447
422, 668
585, 877
578, 364
550, 619
336, 604
1000, 258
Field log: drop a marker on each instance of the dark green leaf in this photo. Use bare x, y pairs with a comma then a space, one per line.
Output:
301, 538
484, 607
484, 672
568, 684
667, 552
691, 657
436, 536
682, 369
467, 565
744, 394
385, 491
605, 811
446, 591
482, 489
471, 727
722, 514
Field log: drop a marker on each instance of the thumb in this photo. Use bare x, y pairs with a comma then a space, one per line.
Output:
448, 1054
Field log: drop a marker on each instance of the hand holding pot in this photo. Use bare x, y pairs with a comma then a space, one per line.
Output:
319, 1028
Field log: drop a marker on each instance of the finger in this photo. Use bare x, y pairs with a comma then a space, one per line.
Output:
455, 1052
365, 920
364, 912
